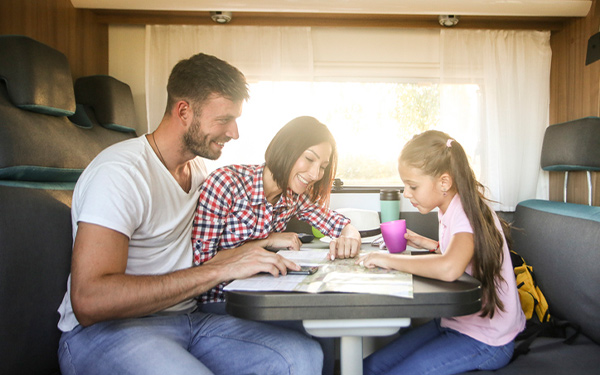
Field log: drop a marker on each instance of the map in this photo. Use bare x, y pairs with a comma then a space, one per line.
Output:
339, 275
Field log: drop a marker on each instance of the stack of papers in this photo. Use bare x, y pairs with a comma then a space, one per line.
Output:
339, 275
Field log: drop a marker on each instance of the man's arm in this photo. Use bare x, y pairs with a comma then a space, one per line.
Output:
100, 289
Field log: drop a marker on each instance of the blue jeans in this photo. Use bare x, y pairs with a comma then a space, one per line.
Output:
196, 343
431, 349
327, 343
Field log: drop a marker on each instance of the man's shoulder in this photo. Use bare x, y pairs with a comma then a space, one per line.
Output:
122, 150
120, 160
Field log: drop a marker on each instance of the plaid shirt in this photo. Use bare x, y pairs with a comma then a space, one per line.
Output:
232, 209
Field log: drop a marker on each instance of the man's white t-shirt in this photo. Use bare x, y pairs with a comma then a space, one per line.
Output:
127, 188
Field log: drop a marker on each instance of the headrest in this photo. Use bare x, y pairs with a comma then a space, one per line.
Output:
38, 77
572, 146
110, 99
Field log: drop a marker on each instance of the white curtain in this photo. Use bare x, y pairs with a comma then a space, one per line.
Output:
261, 53
502, 116
495, 88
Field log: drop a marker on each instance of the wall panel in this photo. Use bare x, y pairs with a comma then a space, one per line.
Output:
574, 93
574, 86
76, 33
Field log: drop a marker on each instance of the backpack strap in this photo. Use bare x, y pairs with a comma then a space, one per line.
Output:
550, 328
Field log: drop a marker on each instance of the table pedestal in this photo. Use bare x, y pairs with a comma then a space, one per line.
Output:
351, 332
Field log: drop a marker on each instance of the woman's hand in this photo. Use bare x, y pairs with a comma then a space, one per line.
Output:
283, 241
347, 245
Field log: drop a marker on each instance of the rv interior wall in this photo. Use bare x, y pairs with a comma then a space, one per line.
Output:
126, 49
75, 32
574, 93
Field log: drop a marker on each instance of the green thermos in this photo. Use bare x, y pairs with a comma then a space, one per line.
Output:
389, 200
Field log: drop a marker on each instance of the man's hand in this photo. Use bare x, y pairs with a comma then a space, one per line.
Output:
248, 260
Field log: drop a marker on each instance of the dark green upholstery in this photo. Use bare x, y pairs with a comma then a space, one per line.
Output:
572, 146
42, 153
112, 109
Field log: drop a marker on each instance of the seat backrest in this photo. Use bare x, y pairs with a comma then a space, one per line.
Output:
112, 109
573, 147
42, 153
559, 239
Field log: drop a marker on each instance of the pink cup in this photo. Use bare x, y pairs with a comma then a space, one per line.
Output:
393, 235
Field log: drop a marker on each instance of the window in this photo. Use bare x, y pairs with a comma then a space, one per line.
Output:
370, 121
493, 97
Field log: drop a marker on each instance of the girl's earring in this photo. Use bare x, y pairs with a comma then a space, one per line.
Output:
444, 191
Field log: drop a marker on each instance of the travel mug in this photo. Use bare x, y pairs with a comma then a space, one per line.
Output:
389, 200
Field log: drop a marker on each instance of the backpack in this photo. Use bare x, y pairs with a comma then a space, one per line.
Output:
532, 298
536, 310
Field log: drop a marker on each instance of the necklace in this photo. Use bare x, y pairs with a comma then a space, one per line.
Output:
186, 181
159, 153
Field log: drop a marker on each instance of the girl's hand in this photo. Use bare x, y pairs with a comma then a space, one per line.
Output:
283, 241
375, 259
419, 242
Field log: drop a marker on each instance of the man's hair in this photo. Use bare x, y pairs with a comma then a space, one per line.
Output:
198, 78
289, 144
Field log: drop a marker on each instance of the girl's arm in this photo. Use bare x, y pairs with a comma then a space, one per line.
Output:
448, 266
419, 242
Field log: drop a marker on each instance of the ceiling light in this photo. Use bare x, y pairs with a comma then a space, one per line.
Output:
220, 17
448, 20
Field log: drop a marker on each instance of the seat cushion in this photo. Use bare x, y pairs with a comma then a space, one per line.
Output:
552, 356
35, 258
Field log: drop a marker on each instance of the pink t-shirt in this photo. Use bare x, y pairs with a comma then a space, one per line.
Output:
505, 325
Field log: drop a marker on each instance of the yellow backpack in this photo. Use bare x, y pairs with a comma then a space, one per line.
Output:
532, 298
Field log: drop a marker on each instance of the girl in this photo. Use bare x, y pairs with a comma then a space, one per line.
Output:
436, 174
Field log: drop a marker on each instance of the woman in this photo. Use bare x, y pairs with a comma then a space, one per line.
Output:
245, 206
252, 204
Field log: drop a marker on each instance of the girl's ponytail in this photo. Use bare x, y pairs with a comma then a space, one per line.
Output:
488, 255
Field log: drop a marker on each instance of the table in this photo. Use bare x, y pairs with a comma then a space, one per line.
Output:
351, 316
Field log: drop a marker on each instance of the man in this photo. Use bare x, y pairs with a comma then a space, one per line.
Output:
129, 306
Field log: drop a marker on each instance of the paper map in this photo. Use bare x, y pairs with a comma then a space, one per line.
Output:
339, 275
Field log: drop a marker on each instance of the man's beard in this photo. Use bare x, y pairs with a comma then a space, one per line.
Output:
198, 143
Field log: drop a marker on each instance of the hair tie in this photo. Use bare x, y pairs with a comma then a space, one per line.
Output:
449, 142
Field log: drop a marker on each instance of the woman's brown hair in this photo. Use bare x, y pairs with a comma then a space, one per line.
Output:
435, 153
288, 145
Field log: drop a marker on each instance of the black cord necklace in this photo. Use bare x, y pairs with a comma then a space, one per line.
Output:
159, 153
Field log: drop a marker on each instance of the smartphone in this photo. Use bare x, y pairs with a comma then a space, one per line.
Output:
305, 237
304, 270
